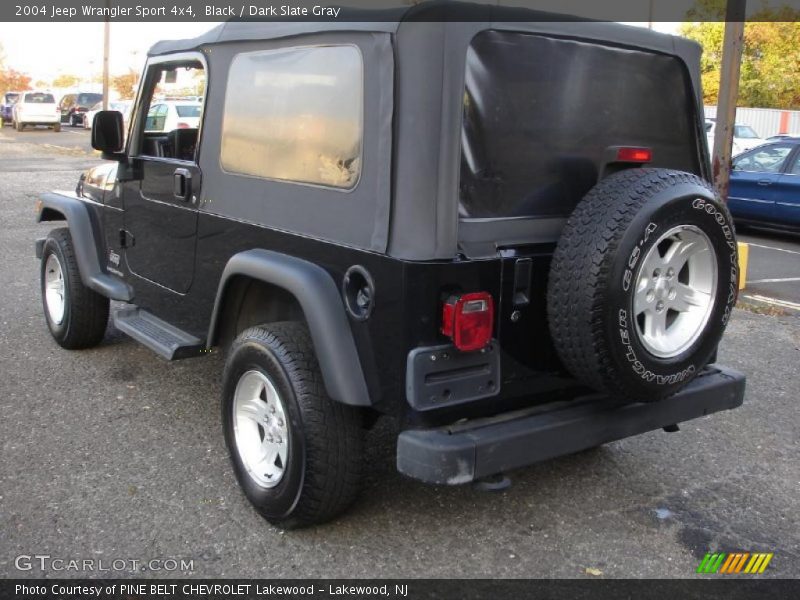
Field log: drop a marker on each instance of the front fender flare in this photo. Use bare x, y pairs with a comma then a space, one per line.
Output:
51, 207
322, 306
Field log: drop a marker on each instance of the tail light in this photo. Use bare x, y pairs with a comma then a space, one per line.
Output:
183, 125
468, 320
635, 155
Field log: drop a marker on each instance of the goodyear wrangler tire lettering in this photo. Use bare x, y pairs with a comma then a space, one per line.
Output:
642, 283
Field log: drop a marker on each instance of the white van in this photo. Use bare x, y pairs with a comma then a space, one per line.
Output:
36, 108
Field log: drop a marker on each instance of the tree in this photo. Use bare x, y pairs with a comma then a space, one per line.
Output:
125, 85
66, 81
11, 79
770, 58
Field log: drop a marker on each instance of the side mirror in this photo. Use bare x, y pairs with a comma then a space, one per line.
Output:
108, 134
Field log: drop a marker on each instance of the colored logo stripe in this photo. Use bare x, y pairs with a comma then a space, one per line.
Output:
711, 563
758, 563
735, 562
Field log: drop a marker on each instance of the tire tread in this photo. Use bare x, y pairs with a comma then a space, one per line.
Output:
88, 310
581, 267
333, 432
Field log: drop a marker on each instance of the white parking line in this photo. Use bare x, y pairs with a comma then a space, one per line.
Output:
773, 301
778, 280
772, 248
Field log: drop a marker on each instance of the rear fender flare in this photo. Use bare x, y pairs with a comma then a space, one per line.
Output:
318, 296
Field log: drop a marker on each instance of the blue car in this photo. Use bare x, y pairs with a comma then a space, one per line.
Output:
765, 185
7, 102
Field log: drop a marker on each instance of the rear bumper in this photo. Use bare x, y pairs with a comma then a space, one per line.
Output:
465, 452
39, 119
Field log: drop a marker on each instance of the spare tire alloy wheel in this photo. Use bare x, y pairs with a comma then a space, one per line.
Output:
642, 283
675, 291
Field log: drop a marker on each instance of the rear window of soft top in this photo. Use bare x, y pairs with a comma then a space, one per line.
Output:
541, 113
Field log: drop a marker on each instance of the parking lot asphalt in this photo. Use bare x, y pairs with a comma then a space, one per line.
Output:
69, 138
773, 277
113, 453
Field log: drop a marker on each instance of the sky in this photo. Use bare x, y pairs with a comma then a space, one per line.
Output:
46, 50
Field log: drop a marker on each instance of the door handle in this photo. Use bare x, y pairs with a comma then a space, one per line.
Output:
182, 184
764, 182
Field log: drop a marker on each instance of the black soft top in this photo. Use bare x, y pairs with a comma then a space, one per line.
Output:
417, 56
390, 20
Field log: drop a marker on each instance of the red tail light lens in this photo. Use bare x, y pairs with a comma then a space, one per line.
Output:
638, 155
468, 320
183, 125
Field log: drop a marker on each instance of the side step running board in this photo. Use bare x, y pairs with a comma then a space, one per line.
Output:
161, 337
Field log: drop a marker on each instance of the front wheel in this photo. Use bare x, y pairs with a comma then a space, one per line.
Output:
296, 453
76, 315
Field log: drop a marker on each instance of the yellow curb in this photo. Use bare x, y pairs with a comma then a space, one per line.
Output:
744, 254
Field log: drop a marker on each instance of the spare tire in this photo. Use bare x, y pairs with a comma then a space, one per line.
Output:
642, 283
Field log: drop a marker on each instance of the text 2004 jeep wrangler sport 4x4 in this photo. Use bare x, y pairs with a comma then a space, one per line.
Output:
500, 233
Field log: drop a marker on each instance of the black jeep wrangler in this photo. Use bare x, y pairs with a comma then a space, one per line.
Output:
499, 232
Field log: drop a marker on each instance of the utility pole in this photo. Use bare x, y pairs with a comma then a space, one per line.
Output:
728, 95
106, 41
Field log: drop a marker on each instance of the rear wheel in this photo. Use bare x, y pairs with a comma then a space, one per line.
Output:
642, 283
296, 453
76, 315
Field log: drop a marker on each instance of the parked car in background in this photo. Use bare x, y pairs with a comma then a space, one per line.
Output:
123, 106
765, 185
782, 136
6, 107
36, 108
744, 137
73, 106
168, 115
